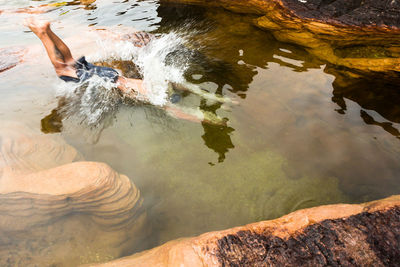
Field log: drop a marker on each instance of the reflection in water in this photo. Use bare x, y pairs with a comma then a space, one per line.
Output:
52, 123
375, 93
218, 67
387, 126
217, 137
88, 4
226, 51
291, 150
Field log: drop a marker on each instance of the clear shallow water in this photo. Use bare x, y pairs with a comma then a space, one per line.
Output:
300, 136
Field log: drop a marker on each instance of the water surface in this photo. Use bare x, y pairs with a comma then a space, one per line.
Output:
302, 134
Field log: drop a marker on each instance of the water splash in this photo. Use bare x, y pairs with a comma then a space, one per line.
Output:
153, 60
96, 99
90, 102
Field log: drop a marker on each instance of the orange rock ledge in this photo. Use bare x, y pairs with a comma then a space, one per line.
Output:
333, 235
359, 35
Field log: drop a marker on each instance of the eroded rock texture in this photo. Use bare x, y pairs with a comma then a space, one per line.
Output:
57, 210
360, 35
334, 235
362, 239
349, 12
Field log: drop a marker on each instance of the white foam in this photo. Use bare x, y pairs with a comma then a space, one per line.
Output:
151, 60
91, 101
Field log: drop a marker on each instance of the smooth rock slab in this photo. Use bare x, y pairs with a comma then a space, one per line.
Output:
335, 235
109, 198
24, 151
56, 211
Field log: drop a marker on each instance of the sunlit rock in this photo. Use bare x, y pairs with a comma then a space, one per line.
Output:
361, 35
363, 235
56, 211
10, 57
24, 151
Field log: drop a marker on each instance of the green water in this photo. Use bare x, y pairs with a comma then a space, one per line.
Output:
301, 135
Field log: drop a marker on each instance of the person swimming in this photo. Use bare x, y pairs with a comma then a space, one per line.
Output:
71, 70
78, 71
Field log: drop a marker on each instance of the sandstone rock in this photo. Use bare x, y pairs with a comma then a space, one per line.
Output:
24, 151
10, 57
362, 35
84, 187
335, 235
55, 211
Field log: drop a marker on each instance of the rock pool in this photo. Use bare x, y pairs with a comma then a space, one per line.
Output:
300, 133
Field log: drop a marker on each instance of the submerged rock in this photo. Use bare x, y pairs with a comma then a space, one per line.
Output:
10, 57
56, 211
362, 35
335, 235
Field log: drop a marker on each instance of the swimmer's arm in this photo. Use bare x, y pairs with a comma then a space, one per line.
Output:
185, 86
132, 88
194, 115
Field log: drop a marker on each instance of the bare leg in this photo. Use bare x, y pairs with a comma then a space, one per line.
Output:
59, 54
61, 47
134, 89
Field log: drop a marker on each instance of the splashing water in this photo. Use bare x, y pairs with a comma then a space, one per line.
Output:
89, 102
151, 61
95, 99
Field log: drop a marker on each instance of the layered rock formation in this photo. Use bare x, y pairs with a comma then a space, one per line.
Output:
335, 235
56, 211
362, 35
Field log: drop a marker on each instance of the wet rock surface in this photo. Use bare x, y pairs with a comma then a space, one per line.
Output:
353, 12
10, 57
359, 35
335, 235
57, 209
362, 239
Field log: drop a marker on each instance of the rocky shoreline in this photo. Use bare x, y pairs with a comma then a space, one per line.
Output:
54, 205
359, 35
333, 235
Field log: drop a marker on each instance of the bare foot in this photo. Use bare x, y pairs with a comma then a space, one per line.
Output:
38, 27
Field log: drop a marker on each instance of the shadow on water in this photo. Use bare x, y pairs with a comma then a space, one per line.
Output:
226, 52
223, 55
231, 49
373, 92
217, 137
272, 142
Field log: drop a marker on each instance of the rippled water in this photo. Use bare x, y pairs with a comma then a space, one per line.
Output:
302, 134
